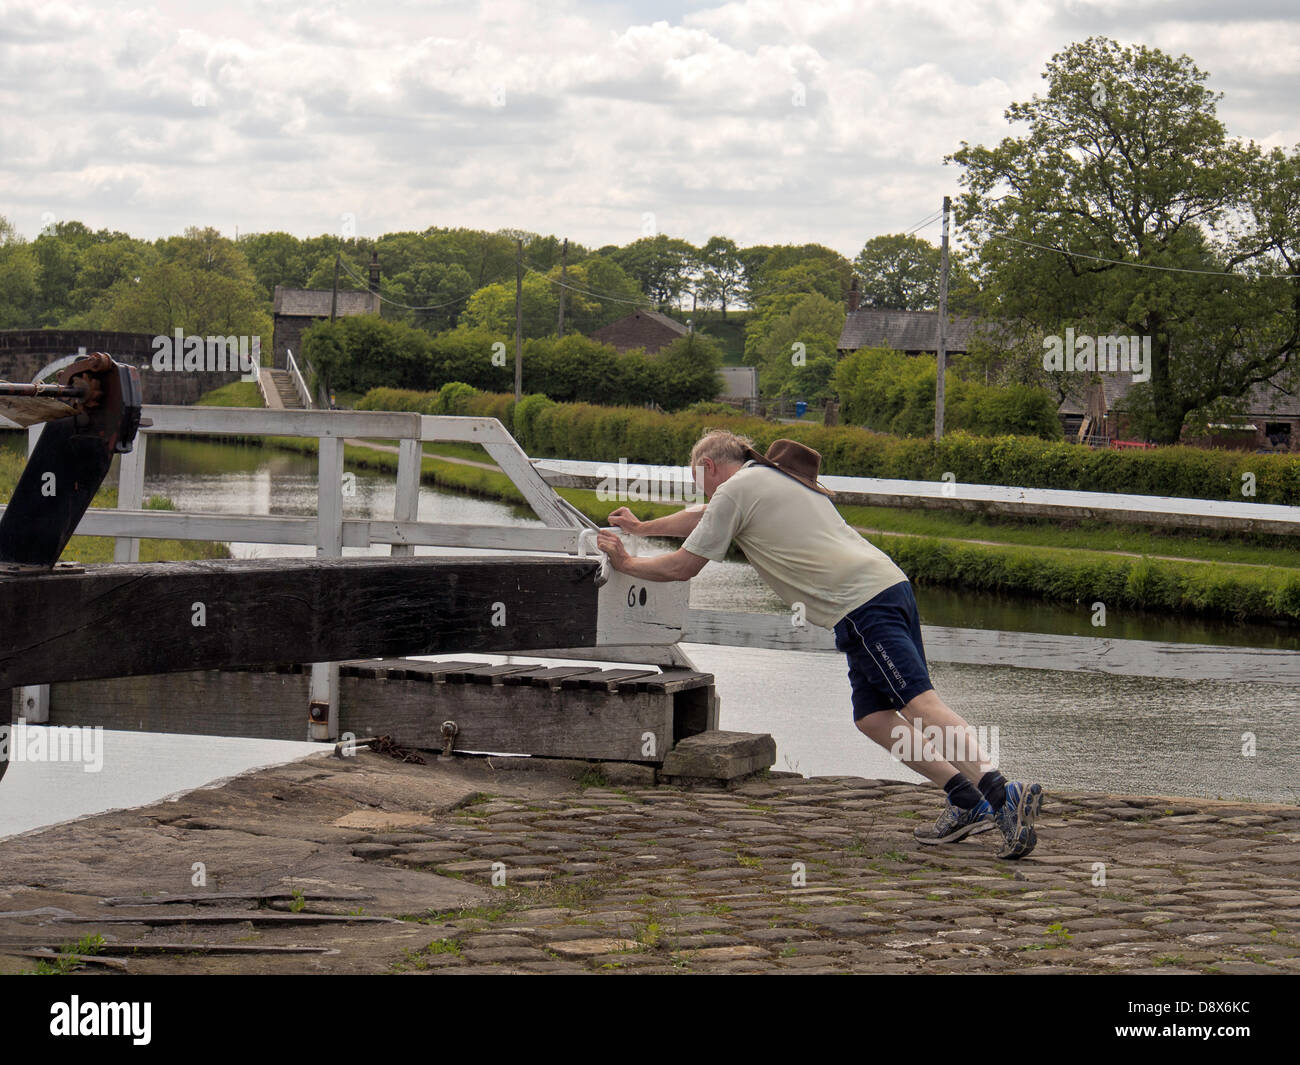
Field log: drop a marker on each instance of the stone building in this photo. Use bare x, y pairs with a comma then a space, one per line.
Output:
294, 309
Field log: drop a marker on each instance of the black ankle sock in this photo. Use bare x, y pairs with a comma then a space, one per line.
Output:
962, 793
994, 786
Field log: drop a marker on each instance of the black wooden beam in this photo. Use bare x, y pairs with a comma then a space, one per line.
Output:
125, 620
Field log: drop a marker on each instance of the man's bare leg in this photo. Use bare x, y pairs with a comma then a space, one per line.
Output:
966, 753
892, 731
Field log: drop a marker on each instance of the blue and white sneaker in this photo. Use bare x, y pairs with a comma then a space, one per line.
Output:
1016, 819
955, 824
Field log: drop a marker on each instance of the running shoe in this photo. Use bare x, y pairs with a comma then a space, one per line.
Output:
955, 824
1016, 819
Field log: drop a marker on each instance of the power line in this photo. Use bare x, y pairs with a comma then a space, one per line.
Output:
924, 224
406, 306
643, 302
1143, 266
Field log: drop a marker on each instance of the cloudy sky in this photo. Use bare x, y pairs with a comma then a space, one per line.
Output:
766, 120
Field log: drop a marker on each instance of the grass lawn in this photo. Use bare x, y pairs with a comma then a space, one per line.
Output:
235, 394
88, 549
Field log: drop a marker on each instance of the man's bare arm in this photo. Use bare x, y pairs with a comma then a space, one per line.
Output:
679, 565
678, 526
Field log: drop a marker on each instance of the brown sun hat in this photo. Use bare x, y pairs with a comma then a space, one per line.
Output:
795, 460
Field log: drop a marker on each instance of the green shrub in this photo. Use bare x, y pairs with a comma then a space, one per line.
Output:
885, 390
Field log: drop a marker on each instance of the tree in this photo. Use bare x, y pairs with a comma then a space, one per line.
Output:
18, 279
901, 271
688, 371
201, 284
660, 264
796, 268
786, 343
1124, 176
276, 259
723, 272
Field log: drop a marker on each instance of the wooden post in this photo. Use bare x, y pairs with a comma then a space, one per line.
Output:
564, 271
406, 503
329, 544
943, 326
519, 318
34, 699
130, 496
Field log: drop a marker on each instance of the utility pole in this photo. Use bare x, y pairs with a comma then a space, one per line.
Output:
564, 270
334, 297
943, 325
519, 318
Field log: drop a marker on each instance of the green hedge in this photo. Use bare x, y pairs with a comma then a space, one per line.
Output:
883, 389
1241, 593
363, 352
584, 431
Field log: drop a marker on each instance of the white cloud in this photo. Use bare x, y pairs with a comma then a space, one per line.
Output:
760, 119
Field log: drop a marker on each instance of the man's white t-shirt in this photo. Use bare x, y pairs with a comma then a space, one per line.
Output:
796, 540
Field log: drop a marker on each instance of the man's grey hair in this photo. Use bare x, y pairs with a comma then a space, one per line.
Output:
720, 445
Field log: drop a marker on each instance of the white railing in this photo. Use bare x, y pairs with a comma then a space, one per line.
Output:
300, 386
1060, 504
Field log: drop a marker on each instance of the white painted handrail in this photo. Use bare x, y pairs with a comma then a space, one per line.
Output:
1165, 511
300, 386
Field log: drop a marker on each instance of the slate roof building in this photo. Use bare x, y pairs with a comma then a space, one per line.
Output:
641, 329
294, 309
1270, 419
911, 332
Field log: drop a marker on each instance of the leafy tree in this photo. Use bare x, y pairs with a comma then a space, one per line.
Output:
18, 279
795, 330
660, 264
901, 271
201, 284
689, 371
276, 259
606, 293
363, 351
891, 392
723, 272
790, 268
1124, 176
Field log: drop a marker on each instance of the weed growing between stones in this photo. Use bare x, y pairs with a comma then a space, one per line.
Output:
69, 956
418, 958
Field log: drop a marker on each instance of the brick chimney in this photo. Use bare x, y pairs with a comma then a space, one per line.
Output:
854, 295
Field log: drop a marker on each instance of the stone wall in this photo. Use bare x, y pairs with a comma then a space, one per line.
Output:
23, 352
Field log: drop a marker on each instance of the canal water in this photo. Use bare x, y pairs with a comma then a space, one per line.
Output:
1067, 730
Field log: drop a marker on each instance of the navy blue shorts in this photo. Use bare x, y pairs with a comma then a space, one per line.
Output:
882, 639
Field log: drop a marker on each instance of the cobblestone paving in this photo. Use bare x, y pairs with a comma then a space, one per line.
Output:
782, 874
661, 880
